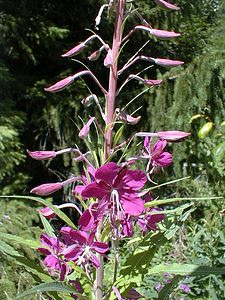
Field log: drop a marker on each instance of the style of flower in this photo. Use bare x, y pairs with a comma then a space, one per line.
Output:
82, 247
53, 260
117, 189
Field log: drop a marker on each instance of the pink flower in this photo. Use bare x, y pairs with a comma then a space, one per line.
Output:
82, 247
156, 155
41, 155
166, 5
47, 188
86, 128
149, 221
60, 85
117, 189
168, 62
53, 259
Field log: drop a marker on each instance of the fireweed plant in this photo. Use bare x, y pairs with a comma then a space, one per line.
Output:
112, 195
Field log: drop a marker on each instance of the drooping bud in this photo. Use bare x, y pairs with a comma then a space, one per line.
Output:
41, 155
173, 136
158, 33
108, 61
47, 188
169, 63
47, 212
152, 82
164, 34
165, 5
86, 128
60, 85
75, 50
94, 56
170, 136
124, 117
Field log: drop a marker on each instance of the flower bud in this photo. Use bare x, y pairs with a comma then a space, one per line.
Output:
108, 61
47, 212
169, 63
163, 34
94, 56
86, 128
165, 5
74, 51
60, 85
41, 155
152, 82
47, 188
173, 136
123, 116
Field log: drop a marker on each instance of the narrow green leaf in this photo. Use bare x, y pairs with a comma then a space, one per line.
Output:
57, 211
11, 237
8, 250
58, 287
171, 200
178, 210
167, 289
186, 270
47, 226
167, 183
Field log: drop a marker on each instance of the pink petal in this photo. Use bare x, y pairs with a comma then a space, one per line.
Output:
52, 262
159, 147
95, 261
60, 85
132, 205
47, 188
99, 247
72, 252
164, 160
134, 179
87, 221
41, 155
107, 172
44, 251
95, 190
49, 241
166, 5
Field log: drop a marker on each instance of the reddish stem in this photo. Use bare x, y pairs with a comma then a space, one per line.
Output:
113, 76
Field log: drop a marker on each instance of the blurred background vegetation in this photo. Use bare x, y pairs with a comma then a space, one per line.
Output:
34, 34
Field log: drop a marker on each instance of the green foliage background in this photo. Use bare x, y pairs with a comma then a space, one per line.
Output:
35, 34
